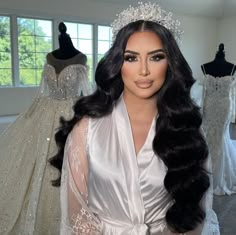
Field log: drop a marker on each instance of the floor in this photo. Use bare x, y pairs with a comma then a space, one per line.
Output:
225, 206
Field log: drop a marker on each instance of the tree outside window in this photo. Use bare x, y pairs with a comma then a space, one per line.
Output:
35, 39
5, 52
34, 42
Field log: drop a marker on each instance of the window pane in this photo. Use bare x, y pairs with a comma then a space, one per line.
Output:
76, 30
85, 46
82, 38
4, 25
104, 40
90, 67
43, 44
100, 57
103, 32
40, 60
25, 26
28, 77
103, 47
72, 29
5, 43
38, 73
34, 42
27, 60
5, 77
43, 28
5, 60
85, 31
26, 44
5, 52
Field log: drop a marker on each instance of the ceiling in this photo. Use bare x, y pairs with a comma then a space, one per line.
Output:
211, 8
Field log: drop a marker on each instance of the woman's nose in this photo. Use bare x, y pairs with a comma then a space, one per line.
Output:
144, 70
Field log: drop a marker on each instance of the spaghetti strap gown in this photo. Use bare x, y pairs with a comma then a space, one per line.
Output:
219, 107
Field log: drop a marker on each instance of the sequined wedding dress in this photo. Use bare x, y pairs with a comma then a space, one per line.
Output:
28, 203
219, 99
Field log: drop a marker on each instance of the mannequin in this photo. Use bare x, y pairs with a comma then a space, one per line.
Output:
28, 202
218, 108
219, 67
66, 54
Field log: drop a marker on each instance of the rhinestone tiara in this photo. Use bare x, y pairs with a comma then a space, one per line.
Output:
148, 12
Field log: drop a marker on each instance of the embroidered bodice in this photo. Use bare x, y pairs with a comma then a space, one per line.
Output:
219, 97
71, 82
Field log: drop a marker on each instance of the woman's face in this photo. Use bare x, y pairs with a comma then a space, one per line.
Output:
145, 65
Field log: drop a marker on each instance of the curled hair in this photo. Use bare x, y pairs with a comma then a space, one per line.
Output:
178, 140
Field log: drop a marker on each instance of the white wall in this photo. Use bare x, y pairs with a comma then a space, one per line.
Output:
15, 100
85, 10
227, 35
198, 42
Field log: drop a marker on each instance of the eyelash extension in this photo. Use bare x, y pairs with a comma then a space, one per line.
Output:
130, 58
158, 57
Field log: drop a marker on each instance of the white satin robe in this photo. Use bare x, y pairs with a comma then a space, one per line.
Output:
107, 188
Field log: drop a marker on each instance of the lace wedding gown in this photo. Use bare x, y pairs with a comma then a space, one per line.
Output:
219, 99
108, 189
29, 204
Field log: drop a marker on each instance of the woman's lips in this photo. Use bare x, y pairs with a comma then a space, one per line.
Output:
144, 84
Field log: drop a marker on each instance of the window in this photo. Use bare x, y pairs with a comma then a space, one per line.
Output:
82, 38
25, 42
5, 52
34, 42
104, 40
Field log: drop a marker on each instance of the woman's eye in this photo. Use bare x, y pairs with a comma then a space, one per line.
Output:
158, 57
130, 58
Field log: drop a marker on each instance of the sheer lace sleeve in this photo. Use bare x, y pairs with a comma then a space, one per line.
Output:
76, 217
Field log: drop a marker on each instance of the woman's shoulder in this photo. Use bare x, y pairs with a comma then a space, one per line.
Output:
81, 125
88, 124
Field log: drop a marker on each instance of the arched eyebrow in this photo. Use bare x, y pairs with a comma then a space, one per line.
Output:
149, 53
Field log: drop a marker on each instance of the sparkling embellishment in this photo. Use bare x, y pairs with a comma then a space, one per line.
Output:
27, 192
72, 80
148, 12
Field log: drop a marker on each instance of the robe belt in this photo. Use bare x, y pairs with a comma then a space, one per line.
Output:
124, 227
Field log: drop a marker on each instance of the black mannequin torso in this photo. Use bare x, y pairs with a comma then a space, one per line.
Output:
66, 48
66, 54
219, 67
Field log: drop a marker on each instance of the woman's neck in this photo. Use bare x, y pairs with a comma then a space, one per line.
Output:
142, 109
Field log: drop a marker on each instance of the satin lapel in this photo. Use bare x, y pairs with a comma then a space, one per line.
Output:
128, 157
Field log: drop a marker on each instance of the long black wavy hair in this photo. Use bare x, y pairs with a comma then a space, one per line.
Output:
178, 140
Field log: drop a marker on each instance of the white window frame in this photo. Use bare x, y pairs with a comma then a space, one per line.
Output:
55, 22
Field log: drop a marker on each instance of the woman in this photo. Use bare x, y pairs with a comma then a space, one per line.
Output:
135, 156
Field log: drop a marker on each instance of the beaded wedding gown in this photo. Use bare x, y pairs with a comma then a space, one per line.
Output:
219, 100
29, 204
